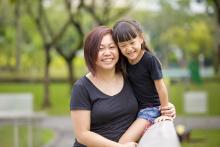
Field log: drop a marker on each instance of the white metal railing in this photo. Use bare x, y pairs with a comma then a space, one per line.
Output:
17, 108
161, 134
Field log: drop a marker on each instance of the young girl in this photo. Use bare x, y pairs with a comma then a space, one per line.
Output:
145, 74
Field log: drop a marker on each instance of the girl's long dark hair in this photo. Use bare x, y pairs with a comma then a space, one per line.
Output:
125, 30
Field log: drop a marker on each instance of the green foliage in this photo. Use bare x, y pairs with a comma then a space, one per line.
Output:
175, 26
69, 41
172, 26
194, 38
80, 66
7, 46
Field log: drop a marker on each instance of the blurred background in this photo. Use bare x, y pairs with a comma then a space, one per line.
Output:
41, 53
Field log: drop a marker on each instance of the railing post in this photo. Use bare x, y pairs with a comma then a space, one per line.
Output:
16, 134
30, 133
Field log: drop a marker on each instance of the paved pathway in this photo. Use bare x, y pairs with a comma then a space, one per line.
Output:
65, 137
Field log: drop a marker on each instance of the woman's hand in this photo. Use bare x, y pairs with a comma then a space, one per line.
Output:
130, 144
168, 110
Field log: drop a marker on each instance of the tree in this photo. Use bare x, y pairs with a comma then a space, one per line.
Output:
7, 33
49, 39
105, 12
215, 5
59, 38
174, 25
101, 15
190, 38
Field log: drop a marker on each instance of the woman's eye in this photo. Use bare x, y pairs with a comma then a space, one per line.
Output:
101, 48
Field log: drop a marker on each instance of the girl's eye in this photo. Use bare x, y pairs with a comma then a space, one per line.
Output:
112, 47
122, 45
132, 42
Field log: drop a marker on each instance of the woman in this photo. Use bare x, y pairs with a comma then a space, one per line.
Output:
103, 105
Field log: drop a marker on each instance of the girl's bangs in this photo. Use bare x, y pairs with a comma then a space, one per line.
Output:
125, 34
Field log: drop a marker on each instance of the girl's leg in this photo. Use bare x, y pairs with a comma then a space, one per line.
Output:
135, 131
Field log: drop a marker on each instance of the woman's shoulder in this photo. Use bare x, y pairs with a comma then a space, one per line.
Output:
82, 86
82, 81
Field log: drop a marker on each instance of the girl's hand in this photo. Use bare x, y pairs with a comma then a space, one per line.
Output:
163, 118
168, 110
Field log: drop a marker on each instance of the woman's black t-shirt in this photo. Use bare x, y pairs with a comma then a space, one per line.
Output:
110, 115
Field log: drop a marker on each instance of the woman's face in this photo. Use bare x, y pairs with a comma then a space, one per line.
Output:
108, 54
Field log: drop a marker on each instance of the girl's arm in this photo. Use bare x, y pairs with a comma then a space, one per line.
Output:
81, 126
166, 107
162, 92
169, 110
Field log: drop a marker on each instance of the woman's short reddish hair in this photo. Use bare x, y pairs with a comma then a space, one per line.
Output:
92, 44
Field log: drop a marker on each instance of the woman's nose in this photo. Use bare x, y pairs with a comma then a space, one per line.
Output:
107, 51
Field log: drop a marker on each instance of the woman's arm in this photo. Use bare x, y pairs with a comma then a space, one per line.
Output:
162, 92
81, 126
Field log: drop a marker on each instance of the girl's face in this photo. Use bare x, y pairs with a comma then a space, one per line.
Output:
132, 49
108, 54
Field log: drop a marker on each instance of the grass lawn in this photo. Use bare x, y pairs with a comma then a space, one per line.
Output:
59, 95
40, 136
176, 92
203, 138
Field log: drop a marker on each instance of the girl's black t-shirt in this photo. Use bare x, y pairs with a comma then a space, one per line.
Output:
110, 115
142, 76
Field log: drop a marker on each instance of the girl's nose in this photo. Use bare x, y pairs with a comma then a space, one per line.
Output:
129, 48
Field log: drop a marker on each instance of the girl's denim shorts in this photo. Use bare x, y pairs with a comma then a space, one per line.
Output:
149, 113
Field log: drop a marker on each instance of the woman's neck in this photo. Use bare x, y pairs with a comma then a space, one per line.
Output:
110, 83
105, 75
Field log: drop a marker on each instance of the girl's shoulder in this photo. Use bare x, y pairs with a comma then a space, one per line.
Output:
150, 58
148, 54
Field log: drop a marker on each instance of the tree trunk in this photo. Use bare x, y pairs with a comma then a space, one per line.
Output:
71, 73
18, 34
46, 100
217, 53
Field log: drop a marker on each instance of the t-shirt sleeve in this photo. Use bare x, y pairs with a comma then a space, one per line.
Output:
155, 68
80, 99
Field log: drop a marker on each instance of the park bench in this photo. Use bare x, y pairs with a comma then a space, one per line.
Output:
195, 102
17, 109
